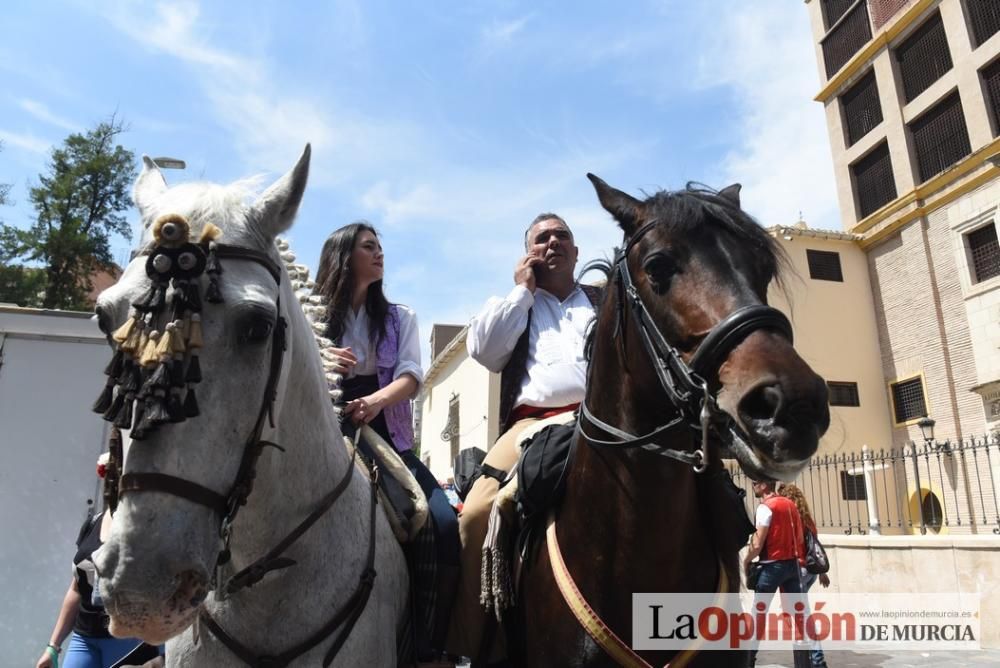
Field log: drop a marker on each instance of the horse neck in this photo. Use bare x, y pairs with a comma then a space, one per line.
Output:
289, 484
636, 497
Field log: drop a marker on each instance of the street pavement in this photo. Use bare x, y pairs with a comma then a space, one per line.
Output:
842, 659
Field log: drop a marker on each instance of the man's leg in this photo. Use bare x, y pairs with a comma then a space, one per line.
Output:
770, 577
468, 615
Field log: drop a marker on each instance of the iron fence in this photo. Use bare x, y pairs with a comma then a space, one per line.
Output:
929, 488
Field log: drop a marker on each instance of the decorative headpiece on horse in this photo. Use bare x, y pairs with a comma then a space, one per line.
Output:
155, 365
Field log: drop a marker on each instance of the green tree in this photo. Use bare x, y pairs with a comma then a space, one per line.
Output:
79, 205
4, 187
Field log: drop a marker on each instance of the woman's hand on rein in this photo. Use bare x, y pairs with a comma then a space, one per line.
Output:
365, 409
345, 359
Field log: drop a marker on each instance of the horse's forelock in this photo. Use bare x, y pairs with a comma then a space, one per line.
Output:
225, 206
697, 206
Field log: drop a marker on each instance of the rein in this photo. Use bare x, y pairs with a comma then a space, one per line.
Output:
687, 385
588, 618
182, 273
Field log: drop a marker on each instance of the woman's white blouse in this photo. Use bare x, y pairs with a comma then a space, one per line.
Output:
356, 338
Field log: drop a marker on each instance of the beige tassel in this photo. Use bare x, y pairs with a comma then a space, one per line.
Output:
149, 356
123, 332
132, 343
209, 233
194, 337
177, 336
165, 346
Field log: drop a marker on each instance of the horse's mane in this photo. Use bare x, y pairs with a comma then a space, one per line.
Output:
686, 211
314, 307
698, 206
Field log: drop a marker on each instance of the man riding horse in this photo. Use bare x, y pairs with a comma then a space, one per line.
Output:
534, 337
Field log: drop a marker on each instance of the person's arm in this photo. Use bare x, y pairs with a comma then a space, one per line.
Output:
763, 524
64, 623
756, 544
407, 375
494, 331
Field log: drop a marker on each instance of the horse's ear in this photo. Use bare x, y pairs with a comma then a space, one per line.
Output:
732, 193
275, 209
627, 210
148, 187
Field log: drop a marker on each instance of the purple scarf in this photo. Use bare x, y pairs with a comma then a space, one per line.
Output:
399, 418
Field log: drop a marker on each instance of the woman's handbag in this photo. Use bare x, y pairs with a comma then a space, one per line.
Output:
817, 562
753, 574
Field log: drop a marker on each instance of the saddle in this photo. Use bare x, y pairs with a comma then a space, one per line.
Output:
400, 494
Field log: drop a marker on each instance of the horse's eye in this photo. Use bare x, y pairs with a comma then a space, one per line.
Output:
659, 267
256, 330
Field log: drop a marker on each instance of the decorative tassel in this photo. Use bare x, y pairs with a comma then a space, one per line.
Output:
131, 379
177, 337
155, 413
104, 400
159, 299
116, 406
158, 380
193, 296
193, 374
212, 265
123, 420
177, 371
212, 294
497, 591
195, 340
191, 404
137, 432
134, 339
144, 305
123, 332
114, 368
149, 356
210, 232
175, 407
165, 346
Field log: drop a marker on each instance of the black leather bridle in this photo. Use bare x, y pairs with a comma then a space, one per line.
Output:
691, 387
227, 506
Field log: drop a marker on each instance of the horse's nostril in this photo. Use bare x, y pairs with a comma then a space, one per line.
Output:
763, 403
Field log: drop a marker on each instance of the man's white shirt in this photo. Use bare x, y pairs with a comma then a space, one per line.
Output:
556, 370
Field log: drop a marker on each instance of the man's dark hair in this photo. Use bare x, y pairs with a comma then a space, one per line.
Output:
769, 483
539, 218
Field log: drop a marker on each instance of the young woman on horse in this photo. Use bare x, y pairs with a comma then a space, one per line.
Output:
378, 351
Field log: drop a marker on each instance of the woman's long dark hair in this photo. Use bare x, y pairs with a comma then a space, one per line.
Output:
335, 282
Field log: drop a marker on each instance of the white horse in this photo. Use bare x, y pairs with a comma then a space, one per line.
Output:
157, 568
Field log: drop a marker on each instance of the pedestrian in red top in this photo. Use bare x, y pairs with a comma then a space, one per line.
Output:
779, 543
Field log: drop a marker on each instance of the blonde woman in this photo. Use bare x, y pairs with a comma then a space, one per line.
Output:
793, 493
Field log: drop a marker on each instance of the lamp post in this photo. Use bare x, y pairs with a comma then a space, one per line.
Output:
926, 425
169, 163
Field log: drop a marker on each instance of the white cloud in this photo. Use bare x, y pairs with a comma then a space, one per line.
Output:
499, 33
42, 113
784, 160
268, 124
27, 142
173, 30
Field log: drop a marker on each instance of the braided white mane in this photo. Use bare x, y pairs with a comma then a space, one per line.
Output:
314, 306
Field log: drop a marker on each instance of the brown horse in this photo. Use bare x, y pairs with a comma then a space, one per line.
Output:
687, 364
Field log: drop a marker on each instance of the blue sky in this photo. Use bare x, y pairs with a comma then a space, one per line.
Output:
448, 125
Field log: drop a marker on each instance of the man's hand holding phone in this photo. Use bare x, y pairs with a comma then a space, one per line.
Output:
524, 272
